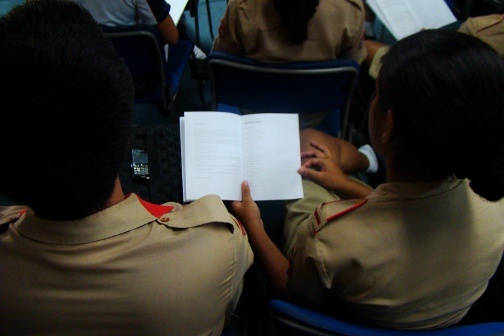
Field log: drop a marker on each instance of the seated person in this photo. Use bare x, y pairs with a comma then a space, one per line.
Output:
81, 257
488, 28
129, 13
419, 250
148, 12
293, 31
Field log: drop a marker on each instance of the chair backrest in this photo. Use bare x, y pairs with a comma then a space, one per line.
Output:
141, 48
156, 75
289, 319
292, 87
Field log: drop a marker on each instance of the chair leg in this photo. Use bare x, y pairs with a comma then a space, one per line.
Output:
196, 74
209, 14
196, 23
200, 89
193, 11
169, 107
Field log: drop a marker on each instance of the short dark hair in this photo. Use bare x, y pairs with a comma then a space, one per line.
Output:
67, 129
445, 88
295, 15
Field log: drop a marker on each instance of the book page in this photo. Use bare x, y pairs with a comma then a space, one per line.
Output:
405, 17
397, 16
432, 13
211, 151
271, 155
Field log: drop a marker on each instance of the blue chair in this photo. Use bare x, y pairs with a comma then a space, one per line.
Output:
289, 319
156, 75
296, 87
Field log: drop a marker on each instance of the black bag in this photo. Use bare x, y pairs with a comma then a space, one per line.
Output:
162, 144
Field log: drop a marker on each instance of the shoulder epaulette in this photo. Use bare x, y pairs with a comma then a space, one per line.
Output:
208, 209
329, 211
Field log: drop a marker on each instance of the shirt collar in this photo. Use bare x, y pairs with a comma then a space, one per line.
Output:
395, 191
127, 215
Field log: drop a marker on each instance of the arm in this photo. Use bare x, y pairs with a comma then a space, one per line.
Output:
157, 13
230, 32
327, 173
353, 36
346, 155
168, 30
375, 52
315, 143
329, 164
268, 254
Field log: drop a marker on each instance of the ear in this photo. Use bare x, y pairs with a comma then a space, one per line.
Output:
388, 127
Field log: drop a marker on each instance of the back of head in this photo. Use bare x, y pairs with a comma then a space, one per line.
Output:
70, 106
445, 89
295, 15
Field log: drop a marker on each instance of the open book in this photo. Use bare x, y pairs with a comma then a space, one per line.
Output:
405, 17
221, 149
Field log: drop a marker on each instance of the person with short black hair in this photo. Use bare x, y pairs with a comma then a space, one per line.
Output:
81, 257
419, 250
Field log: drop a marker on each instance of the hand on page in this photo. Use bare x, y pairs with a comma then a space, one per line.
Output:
345, 155
324, 170
319, 151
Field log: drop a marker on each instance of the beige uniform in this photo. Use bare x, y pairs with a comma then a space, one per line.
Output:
488, 28
413, 256
123, 271
251, 28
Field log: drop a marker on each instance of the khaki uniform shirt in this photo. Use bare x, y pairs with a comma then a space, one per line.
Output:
132, 269
251, 28
413, 256
488, 28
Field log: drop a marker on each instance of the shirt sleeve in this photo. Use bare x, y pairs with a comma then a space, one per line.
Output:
152, 12
306, 274
352, 46
229, 38
10, 213
464, 28
244, 258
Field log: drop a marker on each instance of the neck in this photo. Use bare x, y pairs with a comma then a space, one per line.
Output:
117, 195
403, 170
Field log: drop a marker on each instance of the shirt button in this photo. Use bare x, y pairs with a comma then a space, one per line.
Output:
164, 219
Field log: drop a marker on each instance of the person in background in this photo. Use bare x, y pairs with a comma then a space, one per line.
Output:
132, 12
419, 250
488, 28
78, 256
287, 30
293, 31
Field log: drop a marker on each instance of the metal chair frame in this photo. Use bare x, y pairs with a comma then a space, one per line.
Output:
294, 87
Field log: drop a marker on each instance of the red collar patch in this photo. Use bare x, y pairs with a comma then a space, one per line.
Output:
155, 209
